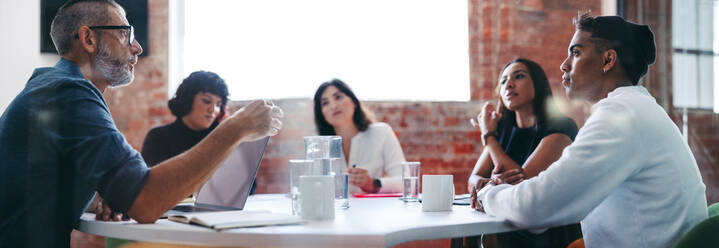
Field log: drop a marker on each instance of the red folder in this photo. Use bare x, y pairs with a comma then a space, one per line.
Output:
367, 195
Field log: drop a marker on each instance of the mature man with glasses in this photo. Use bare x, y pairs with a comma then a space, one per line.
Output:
59, 144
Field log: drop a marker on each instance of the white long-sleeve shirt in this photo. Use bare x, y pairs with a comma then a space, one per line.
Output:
378, 151
628, 177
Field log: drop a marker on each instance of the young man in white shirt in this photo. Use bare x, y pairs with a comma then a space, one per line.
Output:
628, 177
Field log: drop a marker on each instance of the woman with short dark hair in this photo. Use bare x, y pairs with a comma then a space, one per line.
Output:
371, 153
199, 106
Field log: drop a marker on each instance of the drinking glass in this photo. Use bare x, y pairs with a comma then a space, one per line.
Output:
323, 147
333, 167
410, 181
298, 167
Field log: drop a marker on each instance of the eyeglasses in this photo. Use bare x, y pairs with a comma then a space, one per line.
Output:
131, 29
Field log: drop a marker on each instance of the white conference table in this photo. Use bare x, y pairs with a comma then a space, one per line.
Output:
369, 222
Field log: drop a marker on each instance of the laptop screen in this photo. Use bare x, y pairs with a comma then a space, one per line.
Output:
230, 185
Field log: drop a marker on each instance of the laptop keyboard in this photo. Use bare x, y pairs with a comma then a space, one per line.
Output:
193, 208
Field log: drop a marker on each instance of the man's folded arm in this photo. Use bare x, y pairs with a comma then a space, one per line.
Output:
595, 164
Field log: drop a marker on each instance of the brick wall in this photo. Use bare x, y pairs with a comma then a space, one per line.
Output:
539, 30
437, 134
704, 143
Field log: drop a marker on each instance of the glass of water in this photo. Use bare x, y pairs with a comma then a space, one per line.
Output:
333, 167
298, 167
323, 147
410, 181
341, 190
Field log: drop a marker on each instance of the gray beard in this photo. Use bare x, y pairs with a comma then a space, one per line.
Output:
112, 69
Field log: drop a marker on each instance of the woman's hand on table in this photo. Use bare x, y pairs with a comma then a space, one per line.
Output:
360, 178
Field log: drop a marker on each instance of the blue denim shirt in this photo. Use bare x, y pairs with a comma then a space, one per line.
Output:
58, 145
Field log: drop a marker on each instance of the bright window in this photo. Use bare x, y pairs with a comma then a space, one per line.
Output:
696, 54
384, 49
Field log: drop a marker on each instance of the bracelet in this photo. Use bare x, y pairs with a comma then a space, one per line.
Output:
489, 134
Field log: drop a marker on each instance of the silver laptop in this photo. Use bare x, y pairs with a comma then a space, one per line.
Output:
230, 185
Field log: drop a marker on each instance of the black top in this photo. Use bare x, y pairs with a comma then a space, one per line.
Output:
519, 143
165, 142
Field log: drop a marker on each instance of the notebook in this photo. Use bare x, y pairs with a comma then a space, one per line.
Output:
235, 219
230, 185
462, 200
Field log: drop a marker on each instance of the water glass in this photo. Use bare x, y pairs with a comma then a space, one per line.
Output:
410, 181
298, 168
341, 185
323, 147
333, 167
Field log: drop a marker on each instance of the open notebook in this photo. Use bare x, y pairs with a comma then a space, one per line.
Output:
235, 219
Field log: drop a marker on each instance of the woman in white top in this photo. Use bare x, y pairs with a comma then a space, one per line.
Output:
370, 151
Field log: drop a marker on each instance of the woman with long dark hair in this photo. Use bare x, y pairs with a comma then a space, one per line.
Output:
522, 137
371, 152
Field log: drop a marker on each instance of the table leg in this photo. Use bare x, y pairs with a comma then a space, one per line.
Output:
466, 242
457, 243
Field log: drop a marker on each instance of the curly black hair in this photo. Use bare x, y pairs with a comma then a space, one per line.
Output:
199, 81
359, 117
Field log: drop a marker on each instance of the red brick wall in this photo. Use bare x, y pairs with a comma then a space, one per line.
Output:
502, 30
437, 134
704, 142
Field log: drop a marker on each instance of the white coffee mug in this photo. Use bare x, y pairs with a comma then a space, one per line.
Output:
317, 197
437, 192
